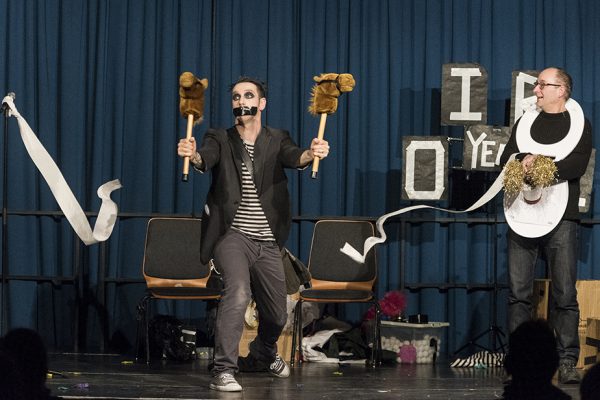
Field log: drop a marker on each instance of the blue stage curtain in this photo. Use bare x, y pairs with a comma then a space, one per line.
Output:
97, 80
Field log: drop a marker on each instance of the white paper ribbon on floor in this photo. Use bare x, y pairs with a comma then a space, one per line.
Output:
67, 202
373, 240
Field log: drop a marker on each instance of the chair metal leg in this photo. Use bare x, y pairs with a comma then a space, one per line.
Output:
139, 337
296, 332
143, 327
377, 339
374, 334
138, 331
147, 328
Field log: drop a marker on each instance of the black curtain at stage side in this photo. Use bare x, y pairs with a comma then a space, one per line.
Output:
97, 81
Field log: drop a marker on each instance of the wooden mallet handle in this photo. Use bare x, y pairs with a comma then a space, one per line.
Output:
320, 134
188, 135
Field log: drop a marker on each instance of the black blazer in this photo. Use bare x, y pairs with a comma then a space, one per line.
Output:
274, 150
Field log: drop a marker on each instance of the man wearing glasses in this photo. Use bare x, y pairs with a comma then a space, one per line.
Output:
559, 130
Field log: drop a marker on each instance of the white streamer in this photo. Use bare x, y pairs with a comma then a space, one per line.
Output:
67, 202
373, 240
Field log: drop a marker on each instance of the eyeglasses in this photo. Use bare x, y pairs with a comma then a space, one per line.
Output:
544, 84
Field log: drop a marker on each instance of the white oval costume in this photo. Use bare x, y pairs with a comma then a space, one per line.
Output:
535, 220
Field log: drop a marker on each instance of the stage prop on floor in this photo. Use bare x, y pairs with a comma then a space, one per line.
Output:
107, 215
191, 107
413, 343
324, 101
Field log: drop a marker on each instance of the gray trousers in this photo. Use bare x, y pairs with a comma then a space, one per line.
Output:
249, 268
560, 248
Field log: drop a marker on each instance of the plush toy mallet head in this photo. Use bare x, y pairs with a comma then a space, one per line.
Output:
324, 101
191, 96
328, 88
191, 107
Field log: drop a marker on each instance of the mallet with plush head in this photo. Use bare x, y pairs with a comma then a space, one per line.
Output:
191, 107
324, 101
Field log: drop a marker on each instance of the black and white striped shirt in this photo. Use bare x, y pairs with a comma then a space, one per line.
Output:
250, 217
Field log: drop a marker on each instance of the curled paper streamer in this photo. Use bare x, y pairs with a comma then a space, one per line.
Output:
373, 240
67, 202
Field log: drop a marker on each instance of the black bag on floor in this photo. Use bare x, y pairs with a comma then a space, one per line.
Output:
350, 342
168, 341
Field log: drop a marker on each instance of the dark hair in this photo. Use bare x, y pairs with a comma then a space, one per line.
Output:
532, 353
26, 347
590, 384
11, 381
566, 80
260, 85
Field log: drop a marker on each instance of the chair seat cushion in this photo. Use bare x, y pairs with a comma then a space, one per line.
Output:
184, 292
339, 295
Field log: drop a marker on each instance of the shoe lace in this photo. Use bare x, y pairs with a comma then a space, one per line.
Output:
278, 364
568, 365
227, 379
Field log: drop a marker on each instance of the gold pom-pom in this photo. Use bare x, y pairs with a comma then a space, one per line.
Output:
542, 173
514, 175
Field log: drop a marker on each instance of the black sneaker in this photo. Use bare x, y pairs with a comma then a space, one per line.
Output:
279, 367
567, 373
252, 364
225, 382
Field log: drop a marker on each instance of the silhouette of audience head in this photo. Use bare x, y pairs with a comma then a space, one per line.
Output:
532, 353
25, 350
532, 361
10, 381
590, 384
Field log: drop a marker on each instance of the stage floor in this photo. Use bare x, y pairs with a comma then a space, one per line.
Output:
77, 376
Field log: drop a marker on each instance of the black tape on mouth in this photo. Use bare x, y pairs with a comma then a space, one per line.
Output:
241, 111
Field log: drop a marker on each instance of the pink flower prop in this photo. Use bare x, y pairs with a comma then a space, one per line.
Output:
392, 304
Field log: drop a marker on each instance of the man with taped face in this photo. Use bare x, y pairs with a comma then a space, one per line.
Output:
245, 223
